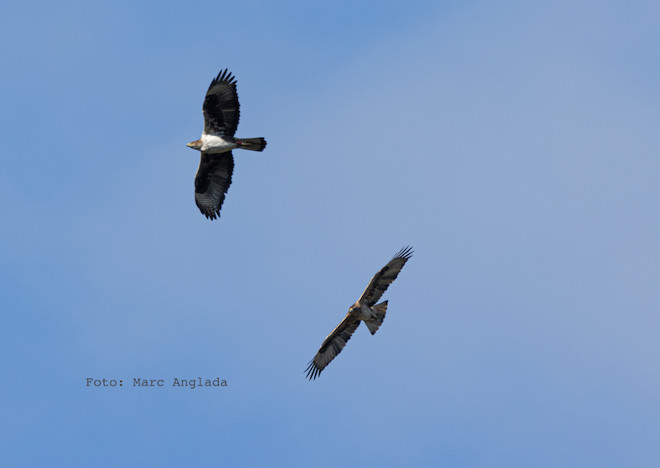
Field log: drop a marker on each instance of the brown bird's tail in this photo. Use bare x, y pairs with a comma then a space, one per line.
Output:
252, 144
374, 323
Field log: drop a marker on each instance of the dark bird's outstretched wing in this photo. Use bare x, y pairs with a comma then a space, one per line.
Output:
221, 109
381, 280
332, 346
212, 182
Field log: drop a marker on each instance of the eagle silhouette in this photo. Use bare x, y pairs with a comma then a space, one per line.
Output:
221, 114
364, 310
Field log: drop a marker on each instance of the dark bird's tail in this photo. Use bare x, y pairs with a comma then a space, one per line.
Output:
252, 144
374, 323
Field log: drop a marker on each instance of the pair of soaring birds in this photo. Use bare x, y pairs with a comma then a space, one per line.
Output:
221, 113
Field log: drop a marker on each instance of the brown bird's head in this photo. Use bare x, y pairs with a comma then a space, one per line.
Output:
195, 144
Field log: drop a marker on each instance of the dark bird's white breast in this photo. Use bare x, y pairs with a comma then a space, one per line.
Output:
215, 144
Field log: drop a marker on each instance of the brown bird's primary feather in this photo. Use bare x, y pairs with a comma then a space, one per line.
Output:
381, 280
365, 309
332, 345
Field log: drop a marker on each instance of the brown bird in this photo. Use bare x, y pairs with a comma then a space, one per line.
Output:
221, 114
365, 310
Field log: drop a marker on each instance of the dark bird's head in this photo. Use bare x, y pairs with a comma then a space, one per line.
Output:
195, 144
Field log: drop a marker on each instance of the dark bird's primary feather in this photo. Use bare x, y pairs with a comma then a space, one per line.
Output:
212, 182
221, 109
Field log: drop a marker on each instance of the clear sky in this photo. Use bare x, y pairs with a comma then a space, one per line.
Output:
514, 144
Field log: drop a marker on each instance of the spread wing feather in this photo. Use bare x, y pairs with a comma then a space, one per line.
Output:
212, 182
381, 280
221, 108
332, 346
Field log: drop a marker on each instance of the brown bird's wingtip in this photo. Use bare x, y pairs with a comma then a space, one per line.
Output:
312, 371
405, 253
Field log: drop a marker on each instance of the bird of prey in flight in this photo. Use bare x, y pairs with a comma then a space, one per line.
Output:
365, 309
221, 114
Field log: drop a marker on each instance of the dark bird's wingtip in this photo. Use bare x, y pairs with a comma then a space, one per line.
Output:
224, 76
210, 214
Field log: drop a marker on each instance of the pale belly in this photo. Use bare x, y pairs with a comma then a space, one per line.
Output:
216, 144
364, 313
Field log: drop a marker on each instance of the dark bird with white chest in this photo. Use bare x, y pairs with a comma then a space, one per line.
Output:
221, 114
364, 310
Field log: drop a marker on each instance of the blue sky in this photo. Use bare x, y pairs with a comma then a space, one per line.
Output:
515, 146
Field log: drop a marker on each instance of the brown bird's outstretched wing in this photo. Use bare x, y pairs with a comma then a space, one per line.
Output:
332, 346
381, 280
212, 182
221, 109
